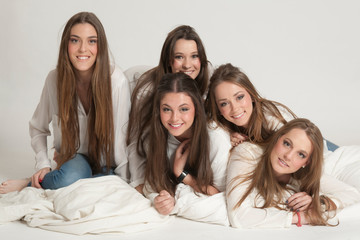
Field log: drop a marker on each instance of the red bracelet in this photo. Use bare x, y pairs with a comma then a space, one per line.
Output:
299, 219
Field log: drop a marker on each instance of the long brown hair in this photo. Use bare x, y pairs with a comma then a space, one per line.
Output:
263, 179
100, 123
158, 171
258, 129
143, 94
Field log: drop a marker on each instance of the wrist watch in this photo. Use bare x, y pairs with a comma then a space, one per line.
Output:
180, 178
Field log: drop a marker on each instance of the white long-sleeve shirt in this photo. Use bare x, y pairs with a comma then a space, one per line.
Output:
47, 112
243, 160
220, 147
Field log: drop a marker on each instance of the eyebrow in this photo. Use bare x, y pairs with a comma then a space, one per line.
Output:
73, 35
196, 52
181, 105
233, 96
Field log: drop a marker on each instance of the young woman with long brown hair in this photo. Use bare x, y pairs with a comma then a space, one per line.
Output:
234, 104
278, 184
182, 149
87, 100
182, 51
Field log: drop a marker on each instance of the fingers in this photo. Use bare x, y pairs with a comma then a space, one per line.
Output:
237, 138
164, 203
299, 201
37, 178
183, 147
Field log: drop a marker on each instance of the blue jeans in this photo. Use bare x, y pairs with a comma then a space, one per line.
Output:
71, 171
331, 146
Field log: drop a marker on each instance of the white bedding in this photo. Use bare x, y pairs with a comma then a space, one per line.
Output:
109, 207
95, 205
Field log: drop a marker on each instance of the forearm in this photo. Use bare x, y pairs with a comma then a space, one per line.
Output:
191, 181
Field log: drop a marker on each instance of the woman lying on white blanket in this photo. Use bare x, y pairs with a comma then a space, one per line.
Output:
88, 101
234, 104
280, 183
182, 149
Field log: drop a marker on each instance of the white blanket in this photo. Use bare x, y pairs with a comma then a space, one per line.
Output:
200, 207
95, 205
344, 164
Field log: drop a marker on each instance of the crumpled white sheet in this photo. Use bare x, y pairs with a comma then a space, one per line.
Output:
344, 164
200, 207
95, 205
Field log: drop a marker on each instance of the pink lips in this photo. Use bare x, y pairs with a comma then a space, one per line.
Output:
283, 163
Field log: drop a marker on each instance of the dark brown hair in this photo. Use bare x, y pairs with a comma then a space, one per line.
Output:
143, 94
158, 172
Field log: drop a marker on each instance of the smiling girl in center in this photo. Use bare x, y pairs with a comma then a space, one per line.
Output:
185, 150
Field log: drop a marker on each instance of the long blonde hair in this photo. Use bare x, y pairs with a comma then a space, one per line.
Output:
100, 123
258, 129
263, 179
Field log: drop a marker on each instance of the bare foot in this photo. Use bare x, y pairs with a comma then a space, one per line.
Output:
13, 185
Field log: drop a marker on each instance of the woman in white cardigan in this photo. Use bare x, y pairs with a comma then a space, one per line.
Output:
280, 183
87, 101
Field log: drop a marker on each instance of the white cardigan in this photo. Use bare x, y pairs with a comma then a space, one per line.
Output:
243, 160
47, 111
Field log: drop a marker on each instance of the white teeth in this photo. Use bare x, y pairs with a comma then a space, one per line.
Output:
238, 115
284, 163
176, 125
83, 58
188, 73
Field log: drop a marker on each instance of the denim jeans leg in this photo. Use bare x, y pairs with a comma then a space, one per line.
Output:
71, 171
331, 146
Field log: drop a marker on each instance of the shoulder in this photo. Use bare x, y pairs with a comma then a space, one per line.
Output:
218, 136
246, 151
134, 73
117, 73
216, 131
52, 75
51, 82
118, 78
243, 160
285, 112
273, 120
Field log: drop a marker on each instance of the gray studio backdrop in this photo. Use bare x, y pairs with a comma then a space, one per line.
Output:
305, 54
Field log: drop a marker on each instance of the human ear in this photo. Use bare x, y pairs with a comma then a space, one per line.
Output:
307, 162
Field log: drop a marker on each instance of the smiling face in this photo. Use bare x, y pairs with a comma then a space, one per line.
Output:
177, 113
186, 58
82, 48
291, 152
234, 103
